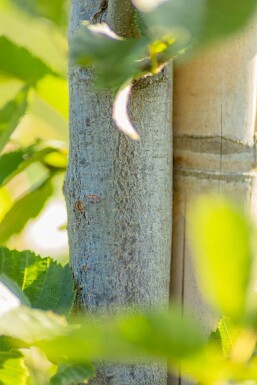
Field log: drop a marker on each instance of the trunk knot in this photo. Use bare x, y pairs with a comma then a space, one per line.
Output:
79, 207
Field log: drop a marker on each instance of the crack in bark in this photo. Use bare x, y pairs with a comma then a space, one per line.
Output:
97, 17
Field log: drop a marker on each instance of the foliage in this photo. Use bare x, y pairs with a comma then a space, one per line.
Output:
47, 284
33, 66
27, 282
168, 29
37, 294
69, 345
32, 86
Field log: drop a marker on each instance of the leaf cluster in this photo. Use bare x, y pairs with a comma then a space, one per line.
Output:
40, 89
222, 239
167, 29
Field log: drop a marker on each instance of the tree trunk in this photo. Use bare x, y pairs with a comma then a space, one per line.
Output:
214, 146
118, 195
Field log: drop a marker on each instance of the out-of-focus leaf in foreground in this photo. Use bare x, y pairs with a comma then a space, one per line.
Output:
202, 21
145, 336
115, 59
221, 239
31, 325
47, 284
11, 114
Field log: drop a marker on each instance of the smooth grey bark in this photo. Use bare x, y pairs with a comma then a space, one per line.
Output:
118, 195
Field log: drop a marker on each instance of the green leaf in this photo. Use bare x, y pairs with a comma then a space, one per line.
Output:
198, 21
47, 284
9, 163
31, 325
55, 10
12, 369
68, 374
54, 91
41, 38
11, 114
26, 208
227, 335
15, 289
221, 239
224, 18
18, 62
5, 344
115, 59
12, 163
152, 335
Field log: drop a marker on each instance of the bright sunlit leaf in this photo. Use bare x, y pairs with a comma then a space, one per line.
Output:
31, 325
54, 91
221, 239
12, 369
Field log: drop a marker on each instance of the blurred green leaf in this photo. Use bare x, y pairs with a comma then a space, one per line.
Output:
54, 91
18, 62
68, 374
6, 344
54, 10
9, 163
24, 209
221, 239
12, 369
152, 335
12, 163
47, 284
199, 21
50, 116
56, 159
115, 59
11, 114
31, 325
39, 36
14, 288
226, 17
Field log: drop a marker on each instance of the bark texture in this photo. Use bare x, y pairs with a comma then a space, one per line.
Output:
214, 146
118, 195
